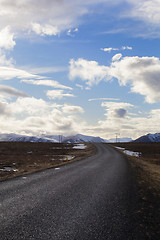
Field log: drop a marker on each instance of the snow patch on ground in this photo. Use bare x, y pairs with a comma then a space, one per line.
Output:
80, 146
63, 157
8, 169
120, 148
130, 153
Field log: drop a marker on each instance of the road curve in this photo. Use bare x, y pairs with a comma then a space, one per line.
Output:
95, 198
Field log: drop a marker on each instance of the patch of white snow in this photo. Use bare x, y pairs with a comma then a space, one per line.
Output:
120, 148
63, 157
130, 153
8, 169
80, 146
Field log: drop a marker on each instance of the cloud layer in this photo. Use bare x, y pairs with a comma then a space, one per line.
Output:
6, 39
36, 116
50, 83
44, 17
58, 94
10, 92
89, 71
141, 73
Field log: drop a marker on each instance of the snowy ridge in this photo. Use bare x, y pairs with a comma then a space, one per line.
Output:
22, 138
130, 153
83, 138
49, 138
154, 137
79, 138
149, 138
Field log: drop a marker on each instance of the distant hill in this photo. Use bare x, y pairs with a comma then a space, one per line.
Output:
113, 140
83, 138
22, 138
149, 138
49, 138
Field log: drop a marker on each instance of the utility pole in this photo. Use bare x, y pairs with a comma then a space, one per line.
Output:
60, 138
117, 136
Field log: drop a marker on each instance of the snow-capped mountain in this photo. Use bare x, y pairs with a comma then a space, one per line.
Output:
113, 140
49, 138
22, 138
149, 138
83, 138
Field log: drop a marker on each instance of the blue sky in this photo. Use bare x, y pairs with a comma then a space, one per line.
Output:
70, 67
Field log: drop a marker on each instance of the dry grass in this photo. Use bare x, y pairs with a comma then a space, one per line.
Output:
147, 170
148, 164
28, 157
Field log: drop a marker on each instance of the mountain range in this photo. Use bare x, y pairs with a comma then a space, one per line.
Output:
49, 138
12, 137
149, 138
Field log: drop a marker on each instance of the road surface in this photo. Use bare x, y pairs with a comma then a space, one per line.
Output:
95, 198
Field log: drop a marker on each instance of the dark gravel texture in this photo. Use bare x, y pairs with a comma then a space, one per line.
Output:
96, 198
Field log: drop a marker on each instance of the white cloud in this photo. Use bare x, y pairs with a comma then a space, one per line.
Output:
58, 94
116, 57
50, 83
120, 118
102, 99
48, 17
116, 104
45, 30
126, 48
109, 49
70, 32
89, 71
79, 86
116, 115
6, 38
71, 109
145, 10
116, 109
32, 107
87, 88
142, 73
36, 116
7, 73
41, 70
44, 17
125, 123
6, 43
4, 110
10, 92
4, 61
146, 16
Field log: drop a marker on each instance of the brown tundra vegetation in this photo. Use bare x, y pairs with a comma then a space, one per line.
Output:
147, 171
20, 158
